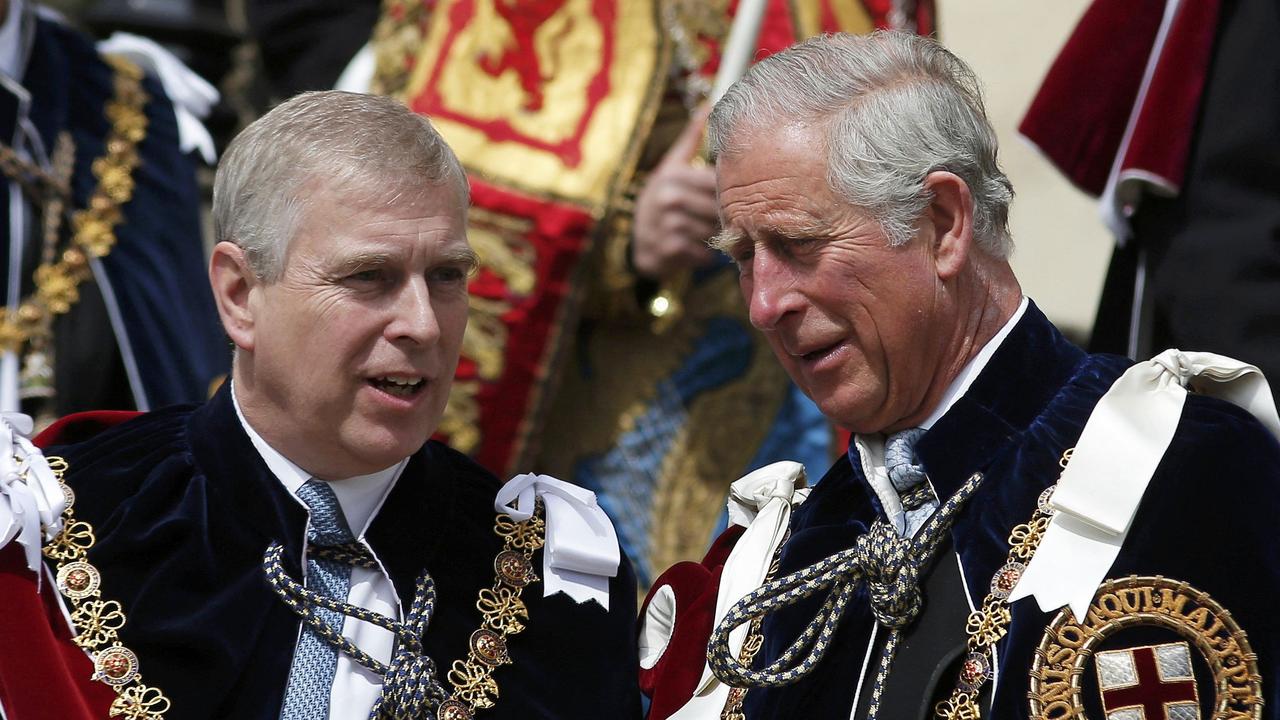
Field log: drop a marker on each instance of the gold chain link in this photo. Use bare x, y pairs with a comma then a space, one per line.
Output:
98, 622
93, 228
988, 624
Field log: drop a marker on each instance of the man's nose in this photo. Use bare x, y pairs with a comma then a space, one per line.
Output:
413, 316
769, 289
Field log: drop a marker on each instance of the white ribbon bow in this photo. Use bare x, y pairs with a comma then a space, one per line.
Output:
192, 96
31, 503
581, 551
1119, 449
762, 502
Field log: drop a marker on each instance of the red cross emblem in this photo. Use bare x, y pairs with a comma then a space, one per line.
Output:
1153, 682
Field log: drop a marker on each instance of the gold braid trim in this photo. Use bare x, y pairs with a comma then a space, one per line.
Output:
97, 622
397, 37
57, 283
504, 614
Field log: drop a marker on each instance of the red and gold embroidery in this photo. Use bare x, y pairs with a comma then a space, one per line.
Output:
1068, 646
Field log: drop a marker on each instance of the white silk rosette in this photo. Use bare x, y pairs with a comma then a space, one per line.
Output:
581, 552
31, 501
762, 502
1118, 452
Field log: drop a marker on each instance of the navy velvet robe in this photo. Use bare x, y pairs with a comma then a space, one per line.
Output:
156, 272
183, 507
1208, 518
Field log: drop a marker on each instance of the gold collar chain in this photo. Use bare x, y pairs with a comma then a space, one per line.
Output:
93, 228
97, 622
504, 614
988, 624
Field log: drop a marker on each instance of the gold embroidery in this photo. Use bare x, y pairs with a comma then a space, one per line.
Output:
725, 427
538, 85
97, 622
1068, 645
486, 336
396, 39
850, 17
461, 419
689, 24
501, 243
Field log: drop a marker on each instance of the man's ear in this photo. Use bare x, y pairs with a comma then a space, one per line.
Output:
951, 215
232, 280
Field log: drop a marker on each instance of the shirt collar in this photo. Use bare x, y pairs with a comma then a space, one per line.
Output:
973, 368
360, 497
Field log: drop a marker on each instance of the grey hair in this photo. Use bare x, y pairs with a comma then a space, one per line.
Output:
896, 107
369, 145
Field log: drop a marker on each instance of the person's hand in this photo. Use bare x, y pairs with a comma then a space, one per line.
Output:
676, 212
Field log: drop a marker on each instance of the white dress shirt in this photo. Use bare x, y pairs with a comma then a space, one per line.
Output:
355, 688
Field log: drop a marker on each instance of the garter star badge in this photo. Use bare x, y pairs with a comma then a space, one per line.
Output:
1148, 648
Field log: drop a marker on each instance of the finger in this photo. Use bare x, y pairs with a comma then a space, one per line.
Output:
692, 177
697, 205
690, 139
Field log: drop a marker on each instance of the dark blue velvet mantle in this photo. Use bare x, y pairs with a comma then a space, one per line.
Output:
183, 507
157, 269
1208, 518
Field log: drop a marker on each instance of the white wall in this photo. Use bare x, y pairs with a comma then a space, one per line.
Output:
1062, 247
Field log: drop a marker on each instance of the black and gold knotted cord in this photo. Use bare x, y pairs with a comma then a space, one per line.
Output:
889, 565
411, 689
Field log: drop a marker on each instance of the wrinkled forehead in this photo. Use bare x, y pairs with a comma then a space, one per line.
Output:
784, 164
335, 223
371, 188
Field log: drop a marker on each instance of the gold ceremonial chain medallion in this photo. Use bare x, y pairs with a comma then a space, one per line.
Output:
504, 613
1069, 647
97, 622
990, 622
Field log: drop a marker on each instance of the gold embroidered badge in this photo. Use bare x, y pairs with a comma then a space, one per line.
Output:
1069, 646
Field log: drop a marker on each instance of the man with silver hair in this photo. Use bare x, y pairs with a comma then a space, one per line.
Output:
991, 460
297, 547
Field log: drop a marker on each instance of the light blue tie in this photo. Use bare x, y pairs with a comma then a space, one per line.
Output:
907, 474
315, 661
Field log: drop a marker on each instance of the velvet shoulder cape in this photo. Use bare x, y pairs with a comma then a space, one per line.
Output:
184, 507
1204, 521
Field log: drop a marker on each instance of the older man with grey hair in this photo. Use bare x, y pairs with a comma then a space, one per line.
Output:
861, 198
297, 547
